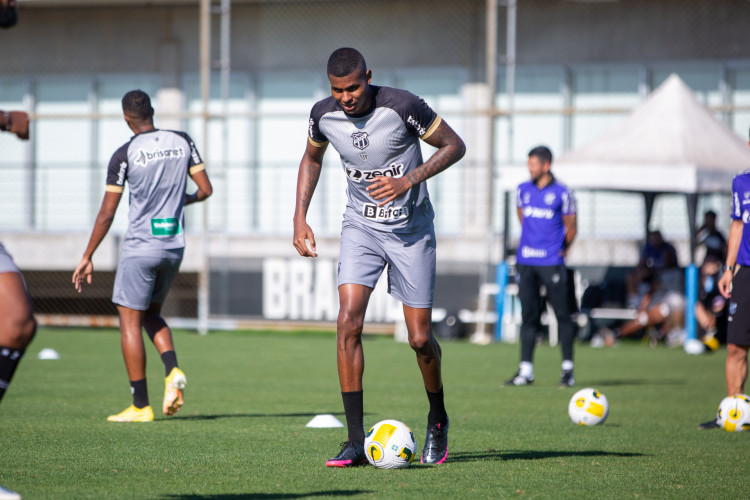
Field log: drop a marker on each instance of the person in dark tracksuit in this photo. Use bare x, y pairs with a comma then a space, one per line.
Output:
547, 211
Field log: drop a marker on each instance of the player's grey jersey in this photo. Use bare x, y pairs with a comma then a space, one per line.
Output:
156, 165
6, 262
382, 142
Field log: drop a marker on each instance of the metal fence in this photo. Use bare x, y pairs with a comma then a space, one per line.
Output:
241, 76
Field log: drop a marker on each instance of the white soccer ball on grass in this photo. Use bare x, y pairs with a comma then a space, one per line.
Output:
588, 407
694, 347
390, 444
734, 413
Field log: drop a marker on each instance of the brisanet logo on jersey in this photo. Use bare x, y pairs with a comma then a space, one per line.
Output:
145, 157
357, 175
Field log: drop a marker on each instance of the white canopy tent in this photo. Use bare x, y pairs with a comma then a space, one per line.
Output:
670, 144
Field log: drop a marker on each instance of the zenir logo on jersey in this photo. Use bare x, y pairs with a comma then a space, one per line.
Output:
360, 140
357, 175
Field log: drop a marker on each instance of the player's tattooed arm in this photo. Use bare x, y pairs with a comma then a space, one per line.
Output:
307, 180
450, 149
307, 177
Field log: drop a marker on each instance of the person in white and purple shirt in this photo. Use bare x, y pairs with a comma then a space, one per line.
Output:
547, 211
734, 285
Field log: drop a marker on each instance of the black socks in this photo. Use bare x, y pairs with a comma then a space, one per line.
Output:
437, 414
139, 387
169, 358
9, 359
353, 408
140, 393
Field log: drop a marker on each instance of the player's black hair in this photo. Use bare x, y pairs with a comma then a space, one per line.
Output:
8, 14
543, 153
709, 213
137, 104
345, 61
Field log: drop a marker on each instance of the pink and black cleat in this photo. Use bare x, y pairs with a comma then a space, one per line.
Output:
351, 455
435, 449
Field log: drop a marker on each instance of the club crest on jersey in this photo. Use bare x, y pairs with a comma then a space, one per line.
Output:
360, 140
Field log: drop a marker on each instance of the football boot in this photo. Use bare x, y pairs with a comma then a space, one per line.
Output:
173, 386
351, 455
133, 414
566, 379
518, 379
435, 449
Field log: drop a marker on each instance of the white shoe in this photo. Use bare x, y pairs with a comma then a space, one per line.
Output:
8, 495
518, 380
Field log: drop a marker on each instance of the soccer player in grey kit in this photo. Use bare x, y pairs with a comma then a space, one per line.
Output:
387, 221
17, 323
155, 163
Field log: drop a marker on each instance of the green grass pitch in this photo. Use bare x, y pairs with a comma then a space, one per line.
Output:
242, 434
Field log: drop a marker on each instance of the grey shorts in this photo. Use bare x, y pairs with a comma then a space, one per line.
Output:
410, 258
6, 262
145, 279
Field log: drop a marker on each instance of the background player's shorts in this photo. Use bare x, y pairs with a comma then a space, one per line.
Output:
6, 262
410, 258
143, 279
738, 326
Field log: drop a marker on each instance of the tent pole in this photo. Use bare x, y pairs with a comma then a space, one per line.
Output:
692, 206
648, 198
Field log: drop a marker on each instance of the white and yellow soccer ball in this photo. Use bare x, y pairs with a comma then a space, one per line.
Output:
588, 407
390, 444
734, 413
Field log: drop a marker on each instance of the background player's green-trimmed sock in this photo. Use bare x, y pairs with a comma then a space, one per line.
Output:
354, 410
9, 359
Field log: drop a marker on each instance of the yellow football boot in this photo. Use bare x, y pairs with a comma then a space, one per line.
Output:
133, 414
173, 386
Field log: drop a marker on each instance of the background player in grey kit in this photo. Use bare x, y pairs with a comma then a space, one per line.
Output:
17, 323
547, 211
156, 164
388, 220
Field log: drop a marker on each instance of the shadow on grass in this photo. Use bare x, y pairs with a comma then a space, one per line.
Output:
491, 454
635, 381
268, 496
